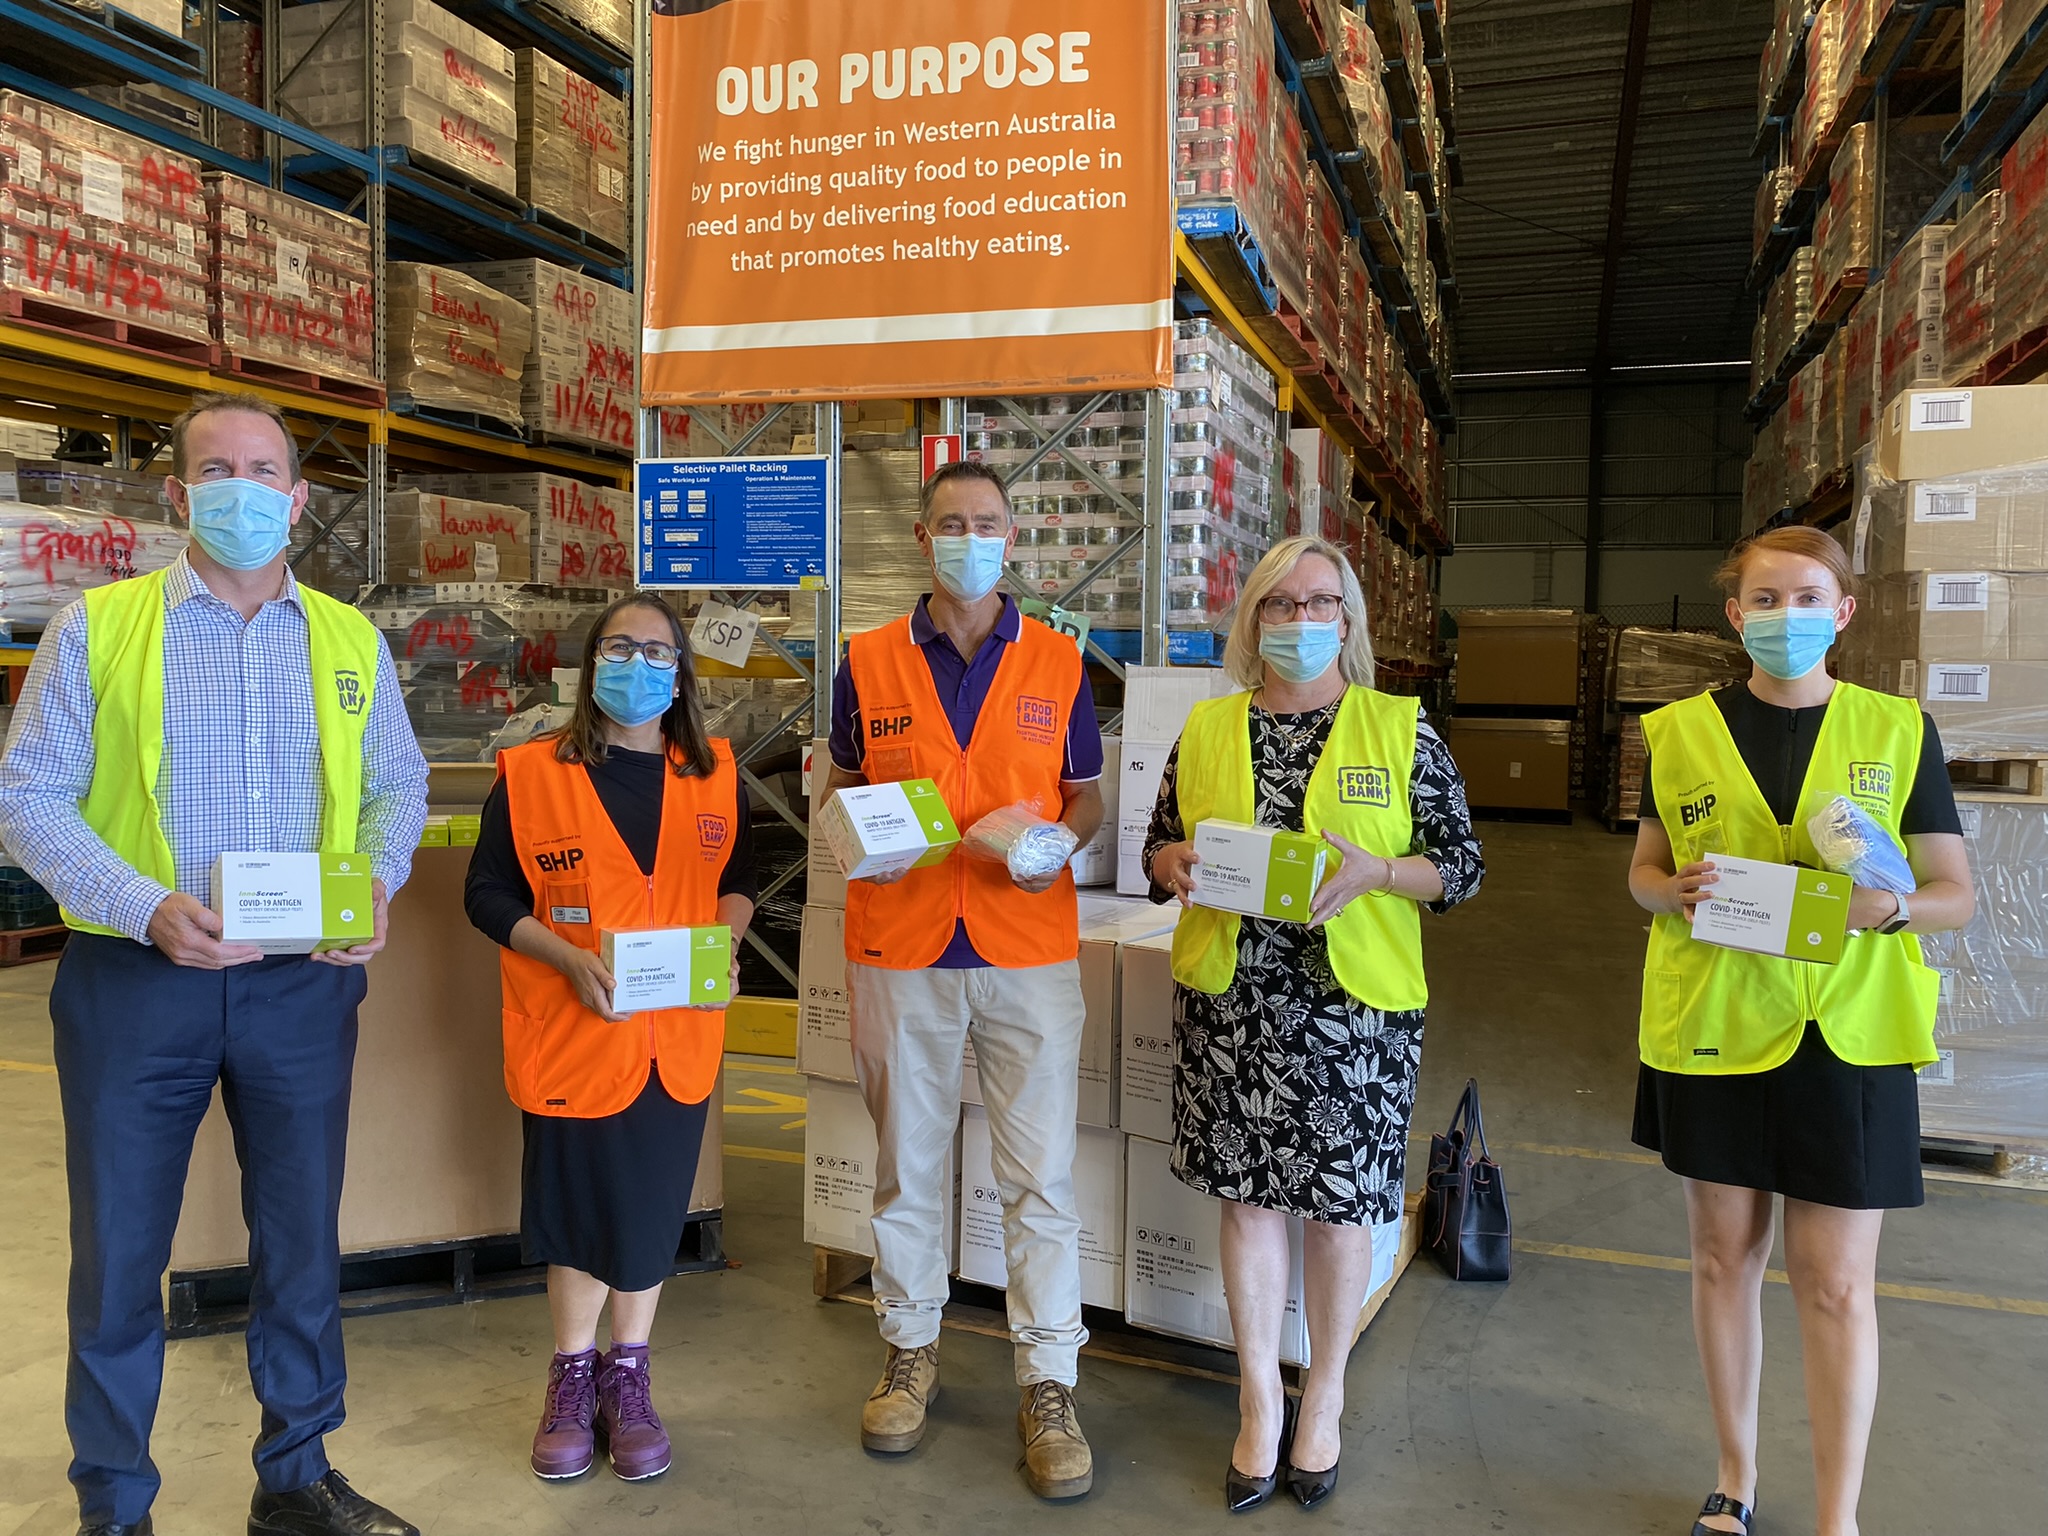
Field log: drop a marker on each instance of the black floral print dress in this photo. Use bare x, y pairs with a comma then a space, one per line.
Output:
1288, 1093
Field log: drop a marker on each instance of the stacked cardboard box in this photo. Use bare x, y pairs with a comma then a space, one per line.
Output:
1970, 287
581, 532
238, 70
432, 539
1658, 666
1325, 265
454, 343
2022, 306
575, 149
1589, 741
578, 382
1910, 328
1628, 756
449, 94
99, 223
1859, 379
1517, 696
1992, 29
611, 20
1813, 119
292, 284
1844, 230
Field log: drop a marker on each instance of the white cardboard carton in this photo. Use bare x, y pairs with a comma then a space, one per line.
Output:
293, 903
1173, 1262
1094, 862
1101, 988
824, 886
1143, 765
824, 1025
839, 1172
668, 967
1145, 1039
1098, 1191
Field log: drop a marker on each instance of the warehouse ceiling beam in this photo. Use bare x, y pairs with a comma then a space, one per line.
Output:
1627, 121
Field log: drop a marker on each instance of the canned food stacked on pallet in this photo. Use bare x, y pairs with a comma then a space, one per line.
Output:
292, 286
1149, 1245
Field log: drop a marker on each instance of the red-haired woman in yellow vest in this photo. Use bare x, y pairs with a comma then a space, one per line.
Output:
630, 817
1768, 1076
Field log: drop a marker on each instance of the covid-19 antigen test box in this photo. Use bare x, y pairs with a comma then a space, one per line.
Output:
1258, 871
887, 829
294, 903
1775, 909
668, 967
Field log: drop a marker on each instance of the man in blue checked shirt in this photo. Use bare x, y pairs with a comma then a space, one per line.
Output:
215, 707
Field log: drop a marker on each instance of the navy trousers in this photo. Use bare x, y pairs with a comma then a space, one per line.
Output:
140, 1043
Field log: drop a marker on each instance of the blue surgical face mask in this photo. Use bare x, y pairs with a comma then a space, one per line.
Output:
630, 691
1788, 643
1301, 652
241, 524
967, 565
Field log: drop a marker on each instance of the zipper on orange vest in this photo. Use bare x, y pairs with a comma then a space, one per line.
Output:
651, 1053
959, 857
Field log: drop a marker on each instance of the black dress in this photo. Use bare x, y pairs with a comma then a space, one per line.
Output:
1815, 1128
1289, 1093
608, 1196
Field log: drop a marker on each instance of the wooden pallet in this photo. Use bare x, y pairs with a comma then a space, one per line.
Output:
562, 228
263, 371
23, 946
2015, 1164
129, 335
2019, 362
2018, 779
837, 1276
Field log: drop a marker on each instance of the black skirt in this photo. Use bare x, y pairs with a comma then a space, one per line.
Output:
611, 1196
1815, 1129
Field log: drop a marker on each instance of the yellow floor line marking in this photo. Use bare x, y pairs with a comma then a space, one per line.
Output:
25, 1066
1935, 1295
773, 1103
739, 1064
1596, 1153
765, 1154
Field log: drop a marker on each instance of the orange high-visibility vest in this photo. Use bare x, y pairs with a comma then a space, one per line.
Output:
1017, 753
560, 1058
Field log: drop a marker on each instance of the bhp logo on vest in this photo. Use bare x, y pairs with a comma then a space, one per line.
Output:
348, 690
1871, 781
1365, 786
1697, 811
559, 863
887, 725
1036, 719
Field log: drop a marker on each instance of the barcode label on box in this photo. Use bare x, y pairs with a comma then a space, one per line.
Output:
1971, 817
1958, 592
1942, 1074
102, 187
1909, 678
1861, 553
1944, 503
1948, 411
291, 270
28, 164
1948, 683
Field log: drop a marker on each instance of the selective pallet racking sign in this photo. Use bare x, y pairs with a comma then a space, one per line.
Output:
732, 522
898, 200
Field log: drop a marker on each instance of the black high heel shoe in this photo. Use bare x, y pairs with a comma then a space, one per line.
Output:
1311, 1488
1242, 1492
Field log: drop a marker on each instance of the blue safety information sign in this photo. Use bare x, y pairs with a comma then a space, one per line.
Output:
732, 522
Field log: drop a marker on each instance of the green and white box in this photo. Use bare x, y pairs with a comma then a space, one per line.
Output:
886, 829
668, 967
1775, 909
1258, 871
294, 903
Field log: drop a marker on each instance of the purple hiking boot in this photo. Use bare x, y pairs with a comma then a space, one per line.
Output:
564, 1445
625, 1415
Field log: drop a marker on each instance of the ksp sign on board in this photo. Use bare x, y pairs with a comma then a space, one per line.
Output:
912, 199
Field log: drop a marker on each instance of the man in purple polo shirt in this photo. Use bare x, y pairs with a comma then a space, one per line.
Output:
910, 1028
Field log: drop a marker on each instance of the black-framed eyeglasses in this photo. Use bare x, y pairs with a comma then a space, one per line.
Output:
1322, 608
659, 653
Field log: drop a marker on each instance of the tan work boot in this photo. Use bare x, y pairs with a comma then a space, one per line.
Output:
893, 1419
1057, 1461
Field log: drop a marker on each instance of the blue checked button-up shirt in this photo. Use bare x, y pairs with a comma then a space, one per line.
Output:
241, 767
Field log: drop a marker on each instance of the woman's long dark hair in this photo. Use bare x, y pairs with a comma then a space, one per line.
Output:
582, 740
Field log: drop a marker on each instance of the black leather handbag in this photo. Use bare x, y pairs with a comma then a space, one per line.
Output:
1465, 1201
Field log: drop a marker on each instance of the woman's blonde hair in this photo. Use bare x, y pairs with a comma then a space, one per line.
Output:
1241, 657
1808, 542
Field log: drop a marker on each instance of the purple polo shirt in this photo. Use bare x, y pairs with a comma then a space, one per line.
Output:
963, 687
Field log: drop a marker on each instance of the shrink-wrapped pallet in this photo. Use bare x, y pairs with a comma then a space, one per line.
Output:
1859, 371
1325, 266
580, 532
51, 556
1910, 315
611, 20
1992, 29
1813, 119
453, 343
432, 539
99, 224
1659, 665
292, 284
1844, 228
578, 380
1970, 288
575, 148
448, 89
2023, 244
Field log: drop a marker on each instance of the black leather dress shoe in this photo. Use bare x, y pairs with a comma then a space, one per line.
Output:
326, 1508
141, 1527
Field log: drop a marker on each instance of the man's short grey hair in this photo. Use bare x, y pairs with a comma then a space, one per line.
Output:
950, 474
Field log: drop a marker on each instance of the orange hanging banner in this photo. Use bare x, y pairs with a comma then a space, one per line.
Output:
907, 198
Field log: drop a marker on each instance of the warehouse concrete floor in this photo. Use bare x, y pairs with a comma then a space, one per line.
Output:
1566, 1403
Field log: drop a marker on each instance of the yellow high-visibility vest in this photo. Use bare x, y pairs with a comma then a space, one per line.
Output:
1706, 1009
124, 647
1359, 790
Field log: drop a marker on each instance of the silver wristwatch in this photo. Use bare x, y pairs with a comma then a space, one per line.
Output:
1904, 917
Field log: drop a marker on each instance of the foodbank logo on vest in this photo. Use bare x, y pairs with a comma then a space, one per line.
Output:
712, 831
1871, 781
1365, 786
1037, 719
348, 689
